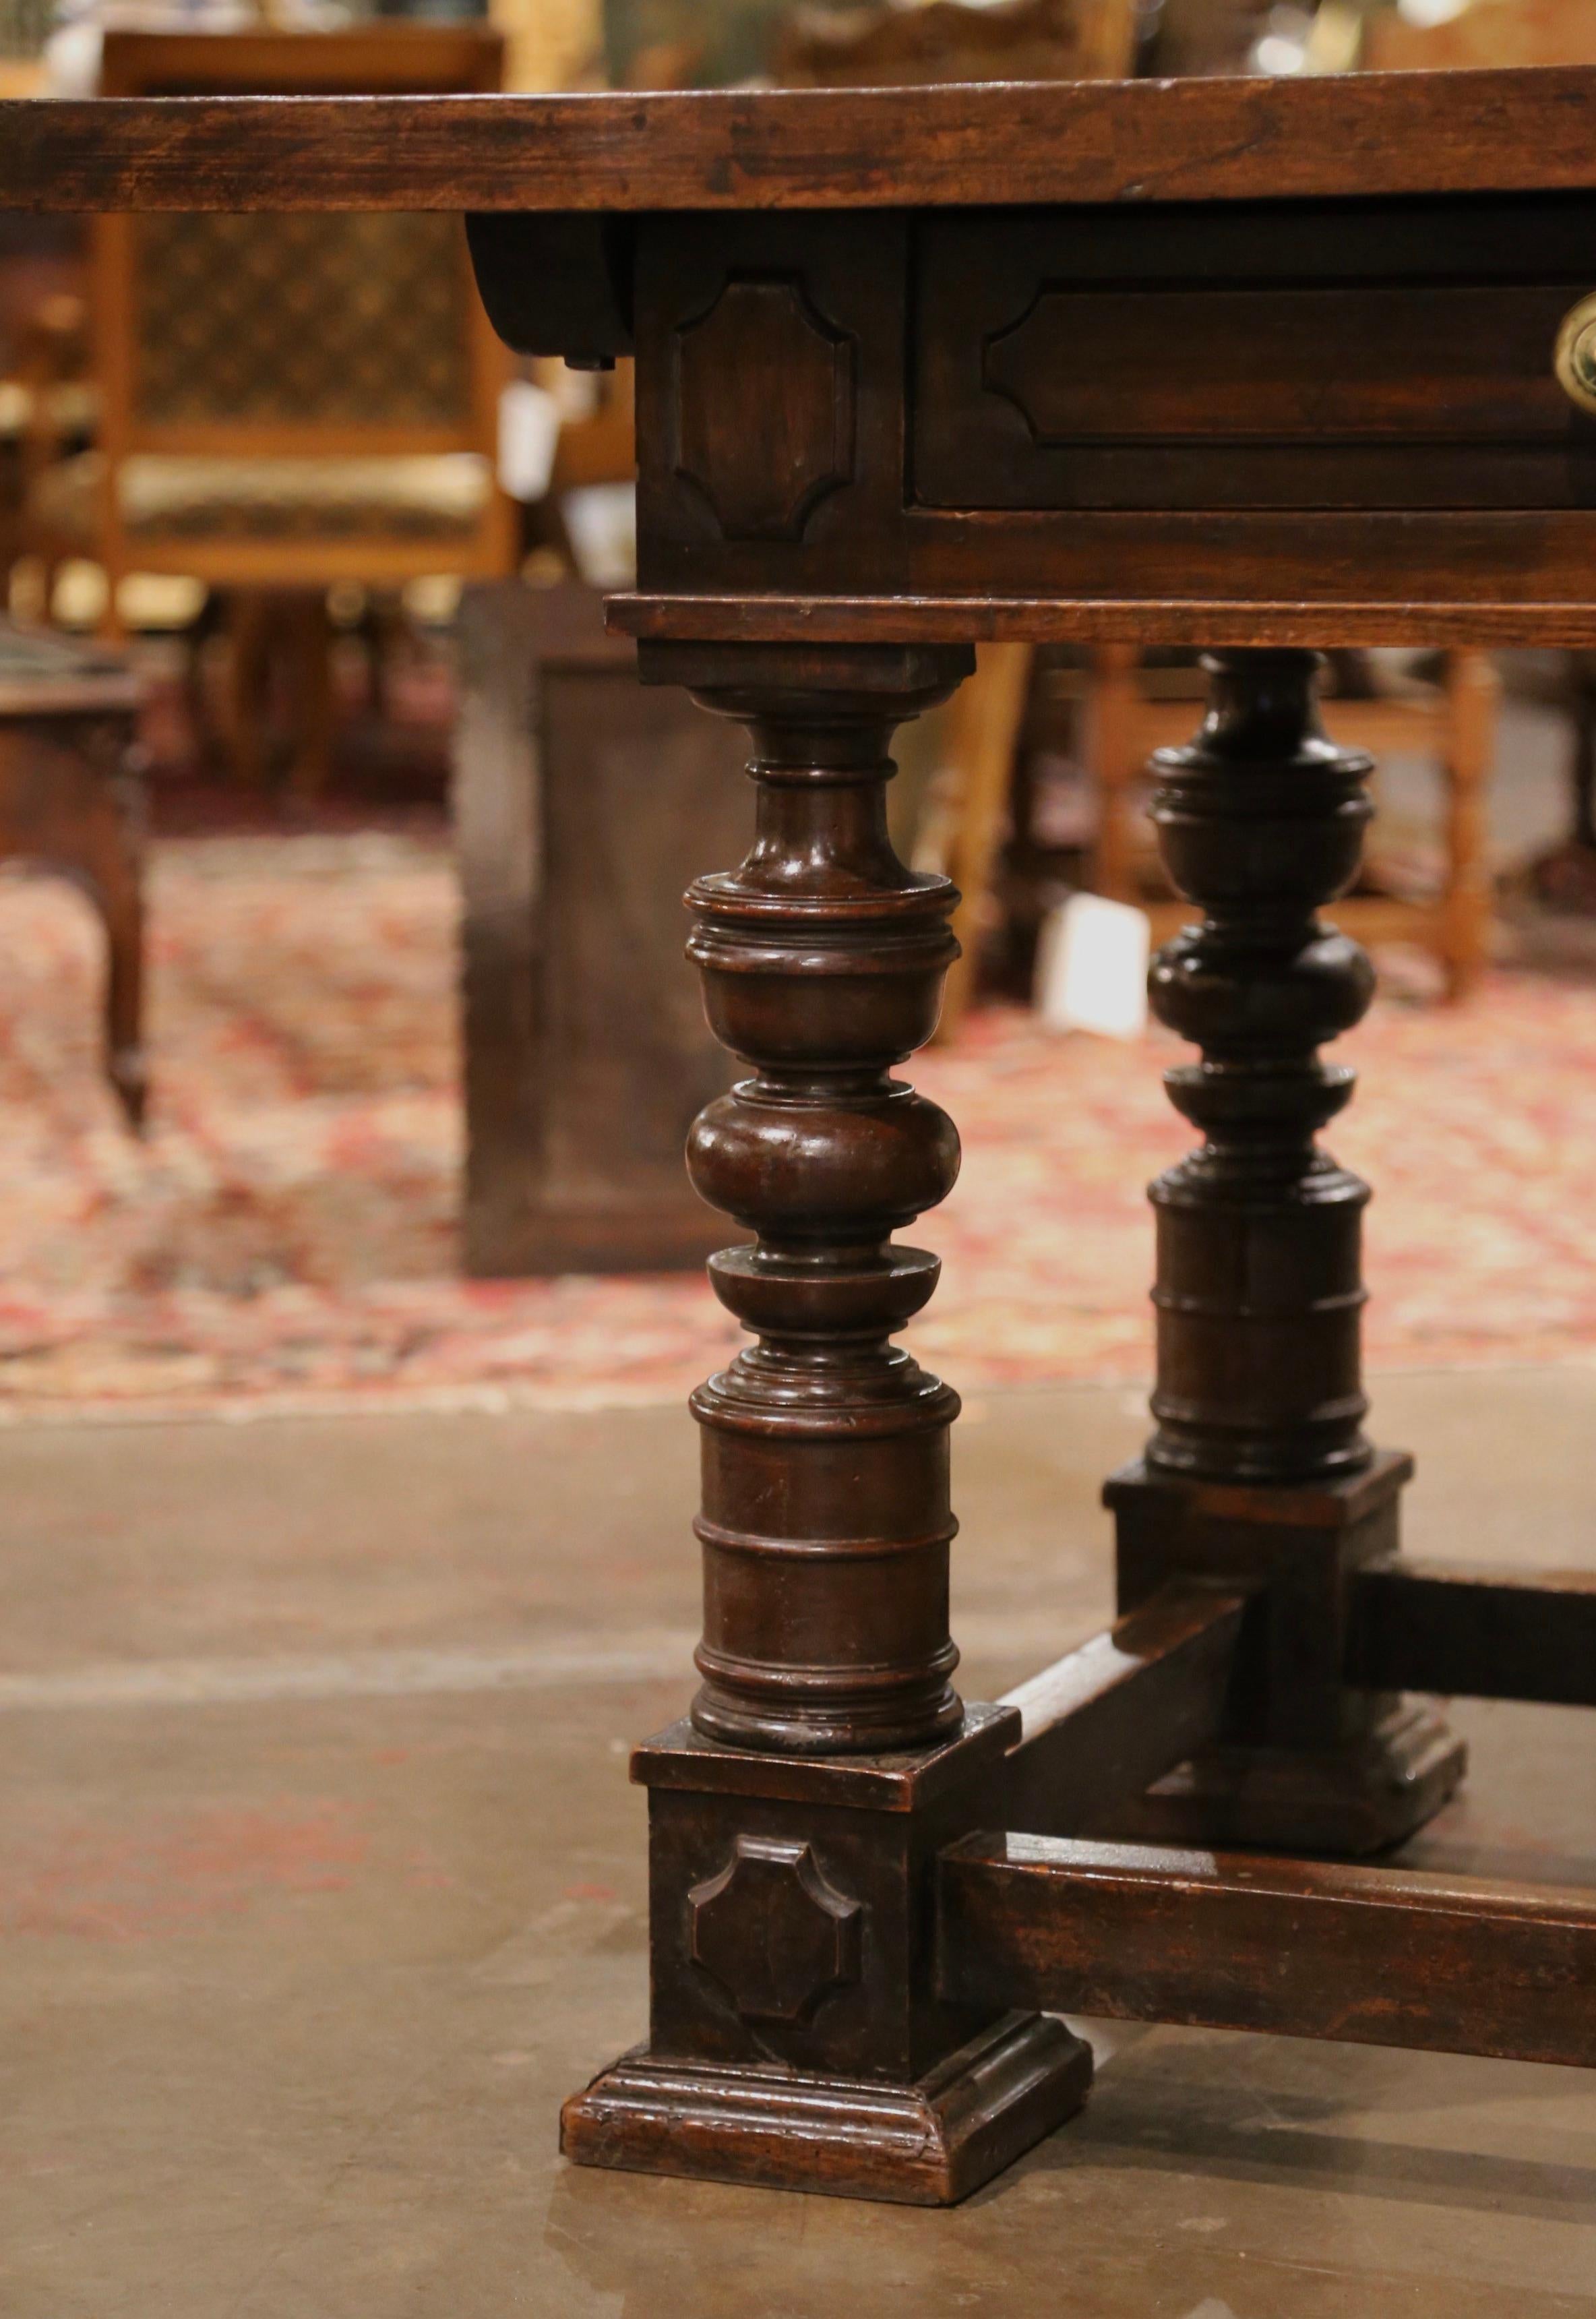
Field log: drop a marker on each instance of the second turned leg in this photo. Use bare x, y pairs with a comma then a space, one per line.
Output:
1260, 1469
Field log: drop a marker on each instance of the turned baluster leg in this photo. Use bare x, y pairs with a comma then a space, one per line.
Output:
1260, 1468
826, 1519
797, 2036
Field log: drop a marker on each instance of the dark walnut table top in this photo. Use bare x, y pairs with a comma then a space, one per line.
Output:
1243, 361
1211, 141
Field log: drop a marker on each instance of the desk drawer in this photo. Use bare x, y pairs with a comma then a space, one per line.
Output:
1323, 359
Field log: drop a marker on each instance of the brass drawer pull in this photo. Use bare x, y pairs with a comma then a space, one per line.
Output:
1574, 360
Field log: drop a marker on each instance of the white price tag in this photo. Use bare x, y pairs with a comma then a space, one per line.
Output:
602, 525
1091, 968
528, 433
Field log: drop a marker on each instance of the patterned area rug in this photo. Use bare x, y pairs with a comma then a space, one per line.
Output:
286, 1236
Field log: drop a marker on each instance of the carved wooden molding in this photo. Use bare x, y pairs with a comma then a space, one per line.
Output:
764, 457
773, 1932
1352, 362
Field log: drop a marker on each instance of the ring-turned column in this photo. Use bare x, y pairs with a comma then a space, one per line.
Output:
1260, 1289
1259, 1467
826, 1519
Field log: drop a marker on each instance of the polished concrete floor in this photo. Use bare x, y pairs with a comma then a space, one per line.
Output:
320, 1882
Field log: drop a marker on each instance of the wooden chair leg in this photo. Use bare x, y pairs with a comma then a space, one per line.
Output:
987, 720
1118, 765
111, 859
1259, 1468
797, 2036
250, 634
125, 1063
111, 626
387, 633
1473, 693
1581, 770
308, 629
72, 801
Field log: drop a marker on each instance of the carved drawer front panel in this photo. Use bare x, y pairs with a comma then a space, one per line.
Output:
1316, 357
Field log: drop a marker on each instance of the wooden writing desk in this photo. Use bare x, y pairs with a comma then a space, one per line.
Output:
1256, 365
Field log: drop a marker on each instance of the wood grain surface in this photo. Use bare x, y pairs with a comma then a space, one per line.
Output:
1199, 622
1480, 1633
1102, 1723
814, 149
1300, 1948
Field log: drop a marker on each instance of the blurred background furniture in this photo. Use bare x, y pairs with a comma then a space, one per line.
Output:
549, 44
47, 396
597, 436
1132, 710
287, 403
583, 804
24, 26
48, 413
684, 43
1565, 875
973, 804
1482, 33
830, 43
1013, 848
71, 802
883, 44
1189, 39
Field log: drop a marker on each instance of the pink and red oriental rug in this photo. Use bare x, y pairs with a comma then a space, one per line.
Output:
286, 1236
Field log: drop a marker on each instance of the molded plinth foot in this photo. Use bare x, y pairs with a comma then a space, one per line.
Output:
1365, 1797
928, 2144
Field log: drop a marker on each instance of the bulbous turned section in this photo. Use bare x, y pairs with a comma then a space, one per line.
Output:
1259, 1292
826, 1519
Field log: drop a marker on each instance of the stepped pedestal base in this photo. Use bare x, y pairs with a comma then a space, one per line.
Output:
1306, 1763
1361, 1798
928, 2144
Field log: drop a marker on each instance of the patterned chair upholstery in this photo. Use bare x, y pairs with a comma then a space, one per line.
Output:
290, 401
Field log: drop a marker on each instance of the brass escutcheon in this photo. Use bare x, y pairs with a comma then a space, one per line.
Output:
1574, 359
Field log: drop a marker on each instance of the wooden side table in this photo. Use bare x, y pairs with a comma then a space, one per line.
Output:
1026, 363
71, 800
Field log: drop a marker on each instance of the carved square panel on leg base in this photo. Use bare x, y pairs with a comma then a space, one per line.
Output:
1362, 1796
